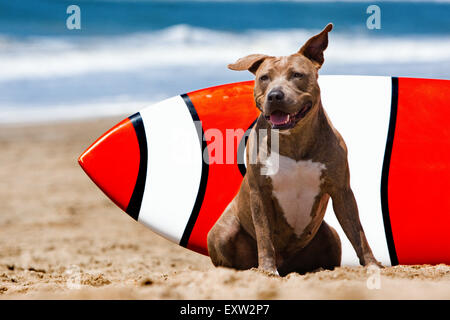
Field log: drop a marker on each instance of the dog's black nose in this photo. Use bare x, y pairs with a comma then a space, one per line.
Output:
275, 96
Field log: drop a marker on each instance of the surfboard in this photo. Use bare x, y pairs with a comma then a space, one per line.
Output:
174, 166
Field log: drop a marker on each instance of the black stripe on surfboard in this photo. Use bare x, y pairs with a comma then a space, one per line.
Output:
241, 150
204, 176
134, 206
385, 173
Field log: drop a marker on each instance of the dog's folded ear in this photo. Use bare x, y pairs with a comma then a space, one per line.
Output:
250, 63
313, 49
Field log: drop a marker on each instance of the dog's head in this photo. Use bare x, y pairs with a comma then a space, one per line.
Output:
286, 88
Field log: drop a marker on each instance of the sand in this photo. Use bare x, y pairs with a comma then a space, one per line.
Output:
61, 238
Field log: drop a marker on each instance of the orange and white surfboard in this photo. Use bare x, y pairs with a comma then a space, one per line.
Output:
164, 165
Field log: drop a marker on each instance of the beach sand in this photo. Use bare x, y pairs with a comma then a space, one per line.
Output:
61, 238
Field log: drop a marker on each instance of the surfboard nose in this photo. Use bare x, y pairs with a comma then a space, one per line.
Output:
112, 162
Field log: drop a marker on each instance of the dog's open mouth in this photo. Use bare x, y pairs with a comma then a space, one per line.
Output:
281, 120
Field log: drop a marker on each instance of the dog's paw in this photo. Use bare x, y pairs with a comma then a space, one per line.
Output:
275, 273
271, 272
373, 263
369, 260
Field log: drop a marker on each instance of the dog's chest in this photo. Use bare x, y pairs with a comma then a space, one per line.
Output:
295, 185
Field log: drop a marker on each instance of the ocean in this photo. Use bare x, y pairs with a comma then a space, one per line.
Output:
130, 53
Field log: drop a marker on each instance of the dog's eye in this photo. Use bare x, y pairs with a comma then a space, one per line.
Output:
297, 75
264, 77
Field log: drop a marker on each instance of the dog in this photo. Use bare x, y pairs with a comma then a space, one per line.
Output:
275, 222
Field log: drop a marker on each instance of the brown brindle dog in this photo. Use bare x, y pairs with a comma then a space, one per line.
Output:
275, 222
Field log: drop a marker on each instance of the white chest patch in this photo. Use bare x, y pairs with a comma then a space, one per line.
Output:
295, 185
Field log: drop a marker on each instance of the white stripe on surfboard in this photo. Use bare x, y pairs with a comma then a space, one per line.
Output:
359, 108
174, 168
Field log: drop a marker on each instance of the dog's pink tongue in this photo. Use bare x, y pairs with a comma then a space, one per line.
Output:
279, 117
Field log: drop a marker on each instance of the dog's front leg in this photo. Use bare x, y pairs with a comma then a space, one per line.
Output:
346, 210
263, 232
261, 206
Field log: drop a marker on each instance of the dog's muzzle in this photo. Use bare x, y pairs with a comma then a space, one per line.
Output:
282, 120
